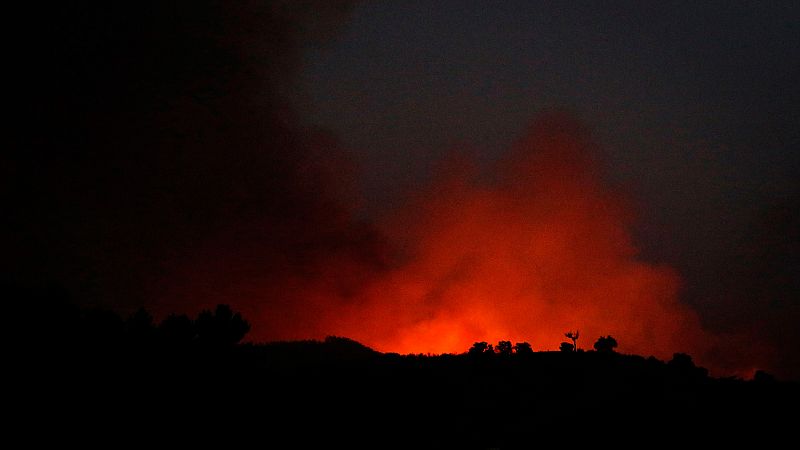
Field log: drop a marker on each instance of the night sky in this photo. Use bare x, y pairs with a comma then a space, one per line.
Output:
392, 171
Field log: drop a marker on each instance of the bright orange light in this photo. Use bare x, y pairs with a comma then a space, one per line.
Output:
542, 249
538, 247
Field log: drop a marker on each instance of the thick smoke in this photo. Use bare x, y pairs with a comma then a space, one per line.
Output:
537, 247
534, 249
158, 163
154, 133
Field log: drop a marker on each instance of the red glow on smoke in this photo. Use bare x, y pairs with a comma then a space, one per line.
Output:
541, 249
535, 248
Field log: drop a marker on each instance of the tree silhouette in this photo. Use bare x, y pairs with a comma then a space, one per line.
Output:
101, 328
222, 328
504, 348
681, 361
566, 347
683, 367
763, 377
480, 348
139, 329
177, 329
605, 344
574, 336
523, 348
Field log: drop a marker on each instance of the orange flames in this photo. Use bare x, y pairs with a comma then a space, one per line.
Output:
535, 248
541, 249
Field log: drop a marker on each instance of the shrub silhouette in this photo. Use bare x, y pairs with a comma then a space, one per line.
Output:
681, 361
684, 368
523, 348
763, 377
222, 328
504, 348
566, 347
480, 348
177, 329
139, 328
605, 344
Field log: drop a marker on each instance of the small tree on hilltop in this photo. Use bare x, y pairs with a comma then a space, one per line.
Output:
504, 348
523, 348
605, 344
479, 348
573, 335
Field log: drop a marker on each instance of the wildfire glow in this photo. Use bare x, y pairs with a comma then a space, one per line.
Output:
538, 247
541, 249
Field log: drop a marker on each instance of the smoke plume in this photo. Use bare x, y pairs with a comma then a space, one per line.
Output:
533, 249
158, 163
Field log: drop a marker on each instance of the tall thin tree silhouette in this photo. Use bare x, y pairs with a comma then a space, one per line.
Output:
573, 335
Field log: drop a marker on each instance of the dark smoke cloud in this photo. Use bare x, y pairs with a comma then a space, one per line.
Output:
150, 130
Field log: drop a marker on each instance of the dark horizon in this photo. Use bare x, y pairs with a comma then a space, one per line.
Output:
420, 175
113, 377
68, 330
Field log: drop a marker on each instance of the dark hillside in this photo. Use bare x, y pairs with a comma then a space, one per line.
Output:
103, 375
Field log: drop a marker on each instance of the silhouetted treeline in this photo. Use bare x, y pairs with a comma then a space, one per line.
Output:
183, 376
63, 324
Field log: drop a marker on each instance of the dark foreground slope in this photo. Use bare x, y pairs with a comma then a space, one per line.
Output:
107, 381
338, 391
